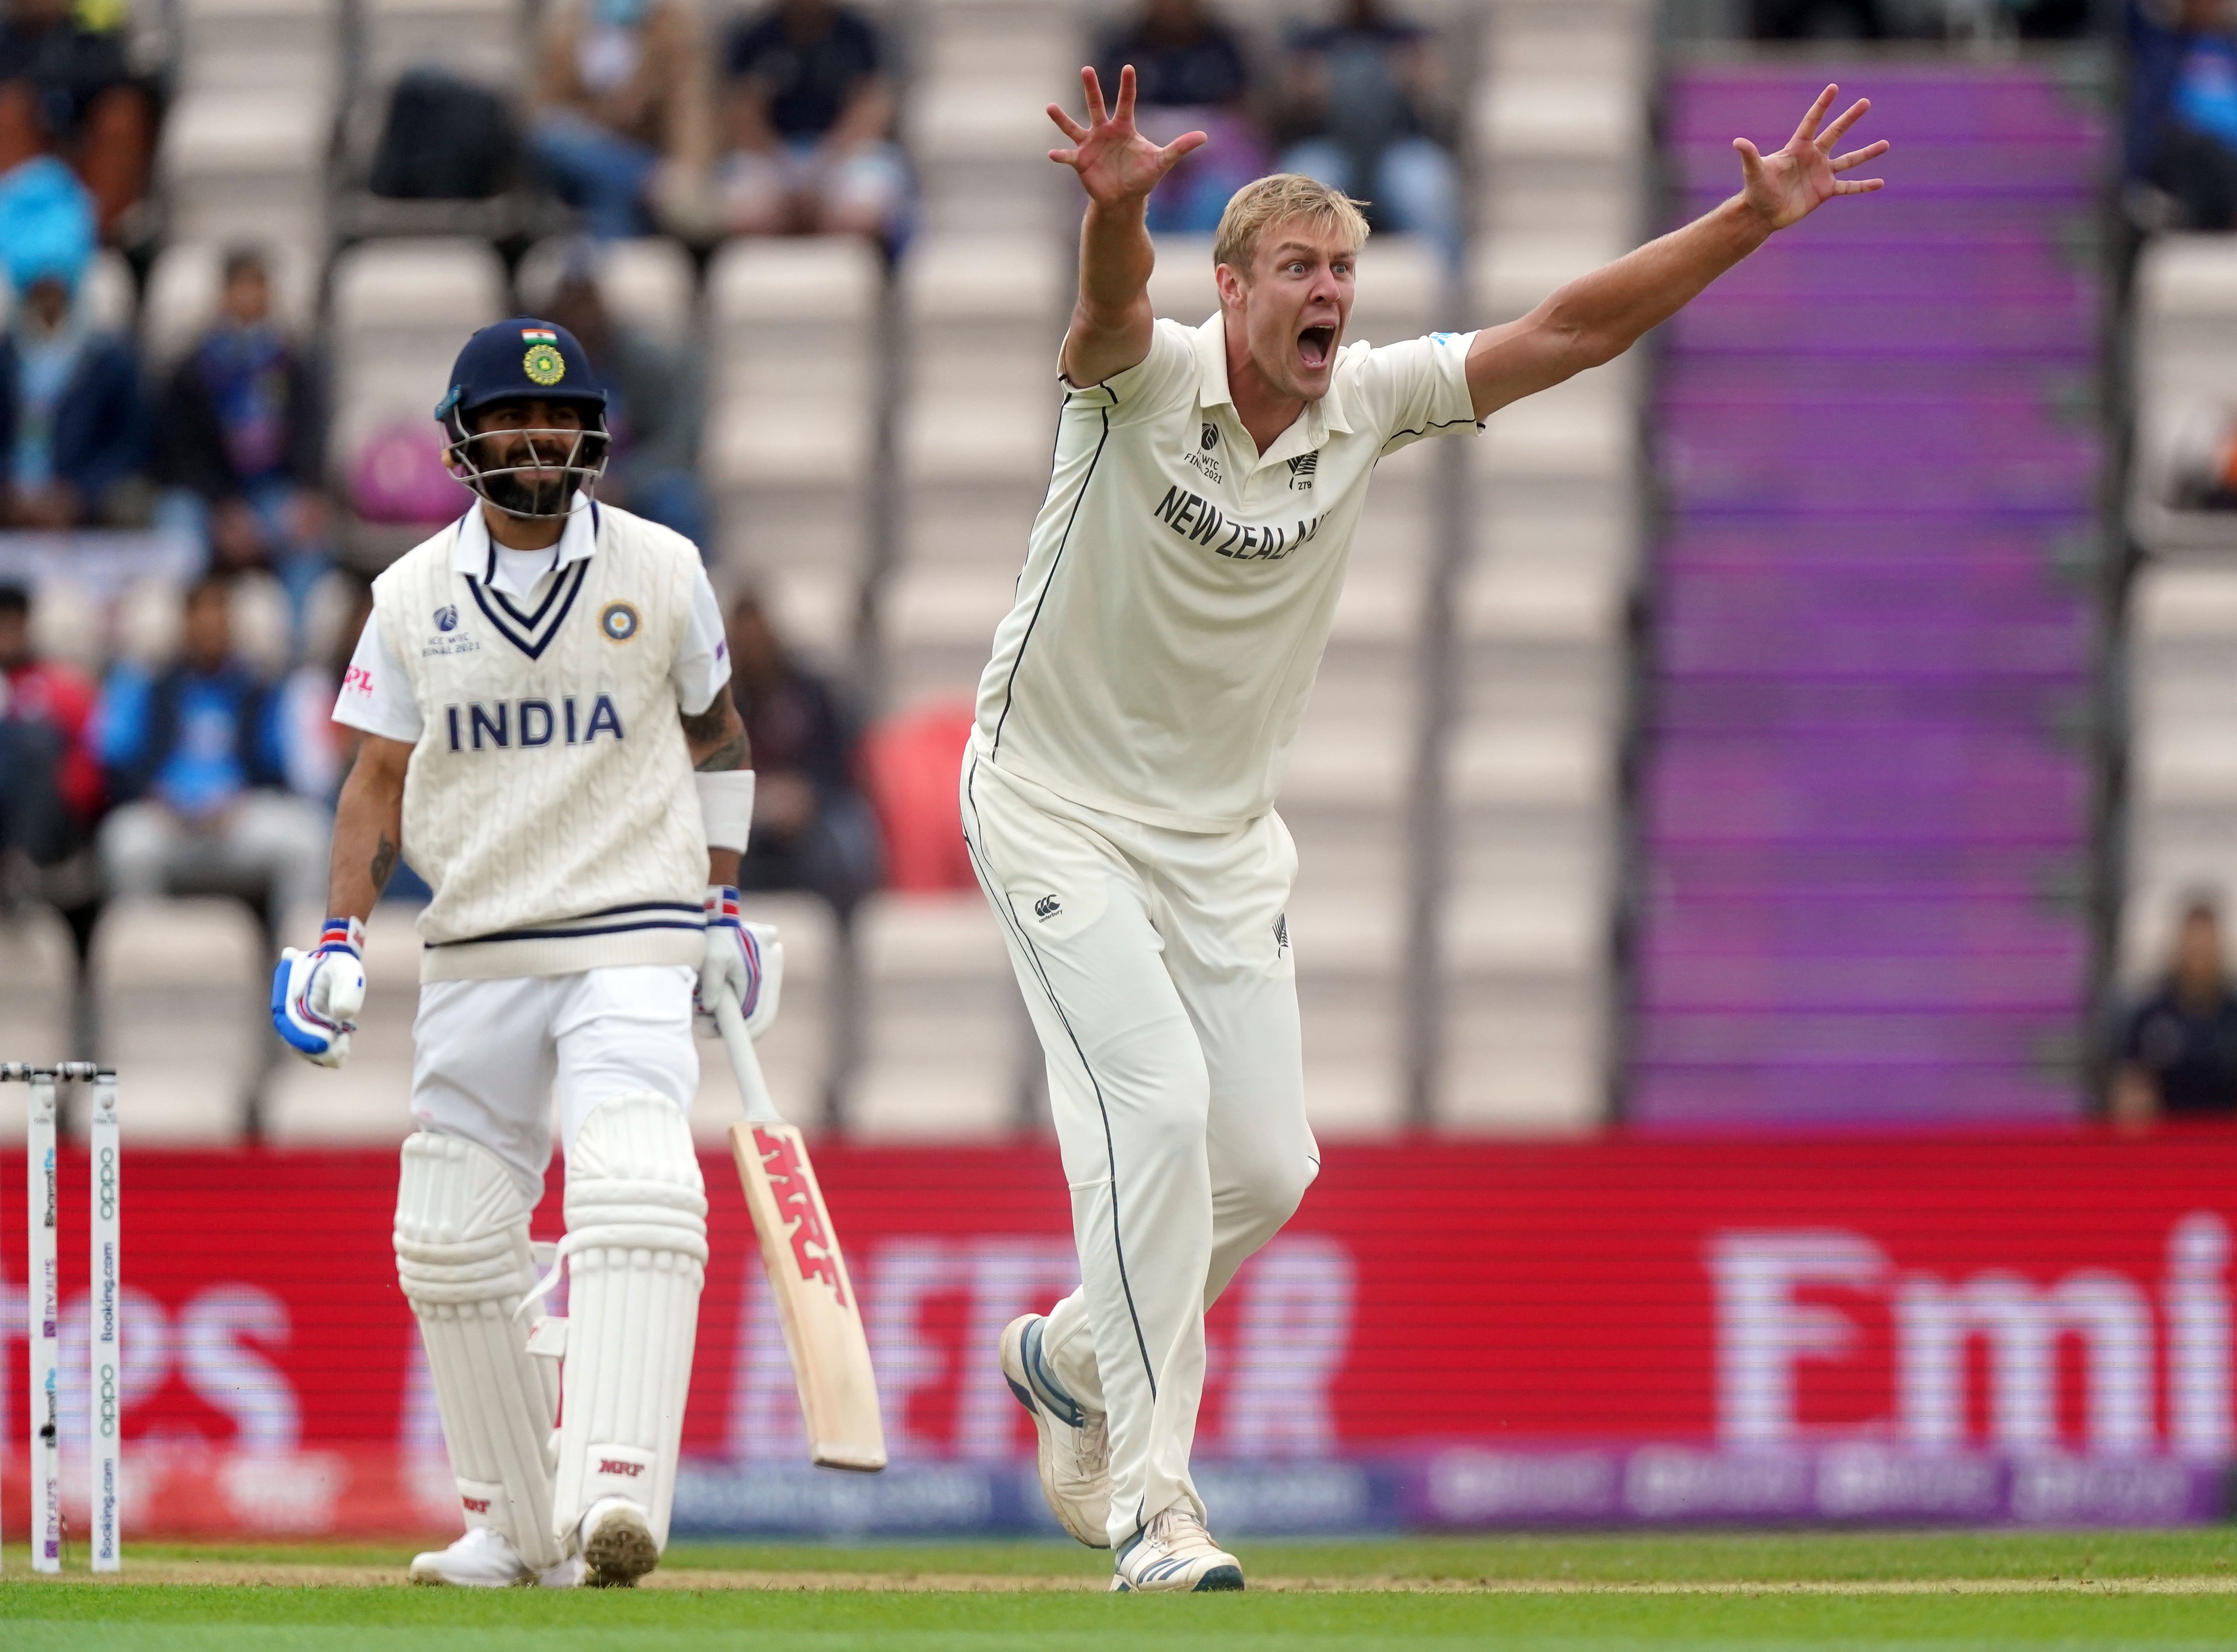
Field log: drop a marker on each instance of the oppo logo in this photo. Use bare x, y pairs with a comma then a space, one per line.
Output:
108, 1422
108, 1184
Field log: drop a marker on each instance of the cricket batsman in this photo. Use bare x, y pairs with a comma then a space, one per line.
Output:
1133, 728
542, 690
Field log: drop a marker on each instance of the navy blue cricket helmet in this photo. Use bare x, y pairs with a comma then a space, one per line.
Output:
523, 360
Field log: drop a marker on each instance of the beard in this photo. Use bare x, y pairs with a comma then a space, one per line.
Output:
523, 498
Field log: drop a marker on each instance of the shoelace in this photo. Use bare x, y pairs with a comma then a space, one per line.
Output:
1178, 1529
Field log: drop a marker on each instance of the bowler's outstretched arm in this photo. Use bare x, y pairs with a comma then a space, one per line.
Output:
1597, 316
1112, 321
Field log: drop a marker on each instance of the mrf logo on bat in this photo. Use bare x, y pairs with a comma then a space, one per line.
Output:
813, 1252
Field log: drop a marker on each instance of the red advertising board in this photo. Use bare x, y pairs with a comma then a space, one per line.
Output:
1981, 1326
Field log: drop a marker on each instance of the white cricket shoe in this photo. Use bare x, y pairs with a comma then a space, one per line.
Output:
486, 1559
617, 1545
1175, 1553
1075, 1444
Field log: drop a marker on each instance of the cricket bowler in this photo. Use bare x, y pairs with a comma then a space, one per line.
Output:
1135, 722
541, 689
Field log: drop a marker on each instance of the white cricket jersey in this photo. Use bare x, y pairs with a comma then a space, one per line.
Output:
548, 801
376, 695
1180, 586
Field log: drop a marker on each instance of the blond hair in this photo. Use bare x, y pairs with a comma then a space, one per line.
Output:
1276, 198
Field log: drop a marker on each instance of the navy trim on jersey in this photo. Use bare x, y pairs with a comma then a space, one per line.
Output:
1001, 905
530, 622
1010, 683
570, 585
1432, 428
699, 928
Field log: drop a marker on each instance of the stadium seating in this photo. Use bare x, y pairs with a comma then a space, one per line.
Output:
647, 283
793, 383
479, 40
398, 311
260, 45
876, 447
974, 123
2182, 772
248, 166
2181, 807
1531, 775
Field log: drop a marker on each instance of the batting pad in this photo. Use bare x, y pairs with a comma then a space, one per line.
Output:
636, 1252
463, 1258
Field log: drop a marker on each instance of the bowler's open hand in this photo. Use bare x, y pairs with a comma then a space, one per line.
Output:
1115, 162
1786, 188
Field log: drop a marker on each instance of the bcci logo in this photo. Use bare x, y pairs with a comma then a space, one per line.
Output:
446, 617
542, 364
618, 622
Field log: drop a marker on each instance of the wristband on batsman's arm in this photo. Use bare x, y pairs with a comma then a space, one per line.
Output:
726, 804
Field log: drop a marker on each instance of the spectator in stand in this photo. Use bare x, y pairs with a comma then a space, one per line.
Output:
652, 408
813, 828
1365, 101
808, 118
622, 120
1190, 74
242, 440
2178, 1054
73, 422
2182, 108
197, 764
50, 784
67, 90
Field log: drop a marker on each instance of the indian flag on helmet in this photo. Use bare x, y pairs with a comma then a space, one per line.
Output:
538, 335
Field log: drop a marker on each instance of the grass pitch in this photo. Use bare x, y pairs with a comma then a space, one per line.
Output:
1804, 1591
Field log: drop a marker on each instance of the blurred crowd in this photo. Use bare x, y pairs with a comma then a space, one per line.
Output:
638, 126
206, 765
1360, 104
2181, 148
1975, 20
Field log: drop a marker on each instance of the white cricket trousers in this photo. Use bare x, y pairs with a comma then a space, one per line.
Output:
489, 1057
1157, 967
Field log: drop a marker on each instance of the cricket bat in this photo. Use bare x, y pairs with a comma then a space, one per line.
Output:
815, 1300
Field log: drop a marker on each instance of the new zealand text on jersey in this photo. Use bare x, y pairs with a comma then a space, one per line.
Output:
1199, 520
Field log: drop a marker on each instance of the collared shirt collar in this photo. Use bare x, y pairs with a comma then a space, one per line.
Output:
475, 554
1310, 429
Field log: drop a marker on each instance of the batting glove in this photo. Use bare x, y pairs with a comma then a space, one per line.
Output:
744, 961
316, 995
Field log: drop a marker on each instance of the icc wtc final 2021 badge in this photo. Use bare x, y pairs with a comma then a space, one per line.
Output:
617, 621
542, 364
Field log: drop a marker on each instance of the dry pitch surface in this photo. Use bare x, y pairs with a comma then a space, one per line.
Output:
1912, 1591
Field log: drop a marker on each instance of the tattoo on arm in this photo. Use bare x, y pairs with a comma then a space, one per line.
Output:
384, 863
709, 725
731, 754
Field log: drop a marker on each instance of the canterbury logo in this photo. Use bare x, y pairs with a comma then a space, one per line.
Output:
614, 1465
1047, 907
